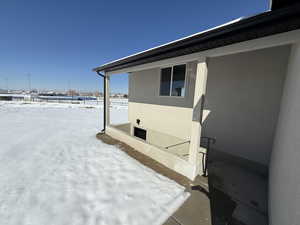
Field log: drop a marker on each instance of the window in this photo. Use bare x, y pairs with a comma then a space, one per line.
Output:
172, 81
165, 81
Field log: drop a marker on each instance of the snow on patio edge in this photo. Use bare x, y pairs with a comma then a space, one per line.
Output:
171, 207
55, 167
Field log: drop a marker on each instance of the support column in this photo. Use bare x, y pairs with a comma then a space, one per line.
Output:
200, 89
284, 179
107, 100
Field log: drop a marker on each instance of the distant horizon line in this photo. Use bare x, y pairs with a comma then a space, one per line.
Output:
55, 90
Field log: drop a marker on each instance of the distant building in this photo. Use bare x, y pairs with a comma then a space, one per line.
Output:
2, 91
14, 97
72, 93
118, 95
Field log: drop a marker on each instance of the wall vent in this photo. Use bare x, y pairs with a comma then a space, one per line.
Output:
140, 133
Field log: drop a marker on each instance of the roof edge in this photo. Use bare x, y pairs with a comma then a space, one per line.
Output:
240, 24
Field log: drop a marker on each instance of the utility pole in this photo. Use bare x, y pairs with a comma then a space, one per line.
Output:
69, 88
69, 85
6, 82
29, 82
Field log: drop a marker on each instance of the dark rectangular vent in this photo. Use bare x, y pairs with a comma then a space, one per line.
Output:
140, 133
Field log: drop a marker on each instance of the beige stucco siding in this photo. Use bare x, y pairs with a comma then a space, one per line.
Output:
243, 94
174, 121
144, 88
166, 114
164, 157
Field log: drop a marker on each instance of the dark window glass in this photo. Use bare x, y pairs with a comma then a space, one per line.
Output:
178, 80
165, 81
140, 133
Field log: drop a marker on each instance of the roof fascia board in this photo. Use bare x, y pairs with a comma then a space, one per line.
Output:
255, 44
264, 24
270, 4
160, 63
174, 41
277, 4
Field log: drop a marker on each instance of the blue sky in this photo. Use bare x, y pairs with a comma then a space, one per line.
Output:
59, 42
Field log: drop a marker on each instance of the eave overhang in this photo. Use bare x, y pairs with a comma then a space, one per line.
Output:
258, 26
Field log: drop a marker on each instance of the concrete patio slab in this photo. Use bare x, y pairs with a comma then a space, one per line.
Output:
196, 209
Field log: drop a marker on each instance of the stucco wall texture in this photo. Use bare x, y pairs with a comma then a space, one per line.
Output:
284, 183
144, 88
243, 93
167, 114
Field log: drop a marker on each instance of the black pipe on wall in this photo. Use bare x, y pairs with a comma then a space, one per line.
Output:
104, 100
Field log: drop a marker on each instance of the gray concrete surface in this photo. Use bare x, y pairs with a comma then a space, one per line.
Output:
196, 210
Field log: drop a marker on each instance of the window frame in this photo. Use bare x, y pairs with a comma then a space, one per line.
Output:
171, 81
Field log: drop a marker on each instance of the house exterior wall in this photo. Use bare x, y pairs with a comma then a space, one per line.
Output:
166, 158
167, 114
144, 88
162, 140
174, 121
284, 179
243, 94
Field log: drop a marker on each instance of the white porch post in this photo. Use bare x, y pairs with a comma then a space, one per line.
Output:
200, 89
107, 93
284, 179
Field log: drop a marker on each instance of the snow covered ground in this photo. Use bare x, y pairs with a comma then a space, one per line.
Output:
53, 171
